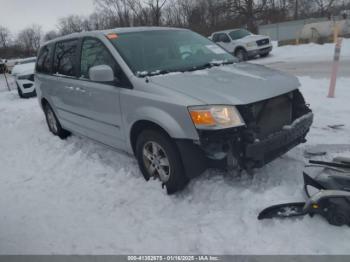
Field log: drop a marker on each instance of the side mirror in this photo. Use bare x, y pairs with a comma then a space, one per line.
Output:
101, 73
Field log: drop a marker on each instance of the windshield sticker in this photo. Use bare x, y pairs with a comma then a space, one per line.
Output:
216, 49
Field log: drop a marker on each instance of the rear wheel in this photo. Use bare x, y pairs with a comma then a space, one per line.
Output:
53, 123
159, 158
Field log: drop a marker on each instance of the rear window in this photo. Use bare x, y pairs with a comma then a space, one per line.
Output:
44, 60
65, 58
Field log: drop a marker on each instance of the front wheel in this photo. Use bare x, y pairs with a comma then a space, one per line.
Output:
241, 54
53, 123
159, 158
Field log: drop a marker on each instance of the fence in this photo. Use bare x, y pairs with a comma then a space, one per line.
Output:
287, 30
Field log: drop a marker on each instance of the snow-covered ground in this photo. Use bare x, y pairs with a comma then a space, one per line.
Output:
304, 52
79, 197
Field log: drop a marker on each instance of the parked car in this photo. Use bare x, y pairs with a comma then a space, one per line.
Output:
242, 43
21, 65
24, 78
174, 99
10, 64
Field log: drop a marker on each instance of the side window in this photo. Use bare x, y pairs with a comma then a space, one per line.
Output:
216, 38
224, 38
44, 60
94, 53
65, 58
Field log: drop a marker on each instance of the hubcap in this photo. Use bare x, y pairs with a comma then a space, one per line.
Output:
156, 161
51, 120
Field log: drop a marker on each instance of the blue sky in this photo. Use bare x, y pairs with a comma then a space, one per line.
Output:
17, 14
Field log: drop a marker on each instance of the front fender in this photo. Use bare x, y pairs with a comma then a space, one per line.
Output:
178, 124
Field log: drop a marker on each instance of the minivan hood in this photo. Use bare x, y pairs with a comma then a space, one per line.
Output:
237, 84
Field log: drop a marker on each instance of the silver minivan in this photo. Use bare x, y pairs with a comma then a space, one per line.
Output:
174, 99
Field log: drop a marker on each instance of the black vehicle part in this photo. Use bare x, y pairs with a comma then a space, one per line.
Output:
333, 205
309, 181
331, 179
283, 211
330, 164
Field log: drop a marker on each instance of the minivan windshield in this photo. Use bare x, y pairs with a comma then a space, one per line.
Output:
164, 51
238, 34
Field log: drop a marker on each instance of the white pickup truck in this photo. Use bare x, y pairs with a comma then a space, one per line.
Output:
242, 43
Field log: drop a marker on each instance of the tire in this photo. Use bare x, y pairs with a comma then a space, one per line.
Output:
241, 54
53, 123
338, 218
174, 177
264, 55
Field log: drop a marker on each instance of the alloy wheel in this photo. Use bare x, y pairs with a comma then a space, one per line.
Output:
156, 161
51, 120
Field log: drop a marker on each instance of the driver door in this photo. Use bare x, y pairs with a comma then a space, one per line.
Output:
101, 119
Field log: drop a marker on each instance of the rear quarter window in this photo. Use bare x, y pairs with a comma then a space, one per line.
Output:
43, 64
65, 58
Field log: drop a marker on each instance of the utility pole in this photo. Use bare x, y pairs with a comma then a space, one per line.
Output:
296, 9
7, 83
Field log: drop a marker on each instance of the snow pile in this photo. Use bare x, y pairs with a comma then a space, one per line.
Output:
79, 197
328, 111
306, 52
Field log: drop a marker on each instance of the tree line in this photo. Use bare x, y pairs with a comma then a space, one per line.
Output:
202, 16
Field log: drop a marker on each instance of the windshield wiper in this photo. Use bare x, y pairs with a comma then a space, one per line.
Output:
200, 67
208, 65
154, 73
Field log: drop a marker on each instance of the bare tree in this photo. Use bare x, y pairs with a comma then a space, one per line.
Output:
248, 10
98, 21
324, 6
4, 37
73, 24
50, 35
117, 11
30, 38
141, 14
156, 7
177, 12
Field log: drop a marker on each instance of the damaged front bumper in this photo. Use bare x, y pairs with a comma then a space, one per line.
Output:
262, 152
231, 149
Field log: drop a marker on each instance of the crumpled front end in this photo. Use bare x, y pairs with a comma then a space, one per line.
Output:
273, 127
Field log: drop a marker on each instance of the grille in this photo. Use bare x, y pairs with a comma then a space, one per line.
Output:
269, 116
263, 42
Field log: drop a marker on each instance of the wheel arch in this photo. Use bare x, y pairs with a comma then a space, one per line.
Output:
238, 48
44, 102
141, 125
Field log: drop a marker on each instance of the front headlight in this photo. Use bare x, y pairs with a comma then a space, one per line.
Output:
251, 44
215, 117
